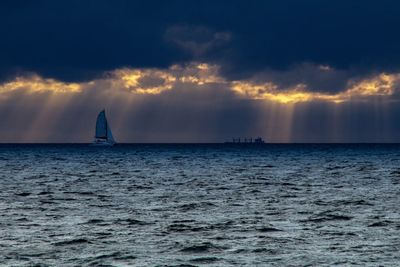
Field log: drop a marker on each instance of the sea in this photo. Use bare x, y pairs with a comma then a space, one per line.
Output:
200, 205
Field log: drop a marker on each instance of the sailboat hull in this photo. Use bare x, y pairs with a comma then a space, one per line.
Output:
102, 142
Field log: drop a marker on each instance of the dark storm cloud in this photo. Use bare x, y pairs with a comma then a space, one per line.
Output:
79, 40
198, 41
74, 40
321, 78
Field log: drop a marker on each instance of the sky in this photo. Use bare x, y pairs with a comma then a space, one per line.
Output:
200, 71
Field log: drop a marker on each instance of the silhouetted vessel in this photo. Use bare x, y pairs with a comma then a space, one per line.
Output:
256, 141
103, 136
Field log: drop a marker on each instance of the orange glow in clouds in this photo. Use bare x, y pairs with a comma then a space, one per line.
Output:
381, 85
35, 84
156, 81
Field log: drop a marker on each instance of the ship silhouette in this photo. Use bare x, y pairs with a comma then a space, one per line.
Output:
256, 141
103, 135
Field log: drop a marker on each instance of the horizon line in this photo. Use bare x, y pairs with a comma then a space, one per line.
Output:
200, 143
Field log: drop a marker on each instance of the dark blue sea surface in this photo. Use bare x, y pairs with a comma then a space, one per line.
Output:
200, 205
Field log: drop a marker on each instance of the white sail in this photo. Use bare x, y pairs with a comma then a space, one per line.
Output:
109, 134
101, 125
103, 135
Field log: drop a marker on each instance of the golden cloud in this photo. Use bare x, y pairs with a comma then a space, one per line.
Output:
132, 80
35, 84
156, 81
380, 85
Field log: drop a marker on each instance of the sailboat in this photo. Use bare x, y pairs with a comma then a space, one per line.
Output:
103, 135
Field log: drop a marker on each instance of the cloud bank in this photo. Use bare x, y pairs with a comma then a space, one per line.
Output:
80, 40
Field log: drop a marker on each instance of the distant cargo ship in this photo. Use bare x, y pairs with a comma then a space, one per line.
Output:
256, 141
